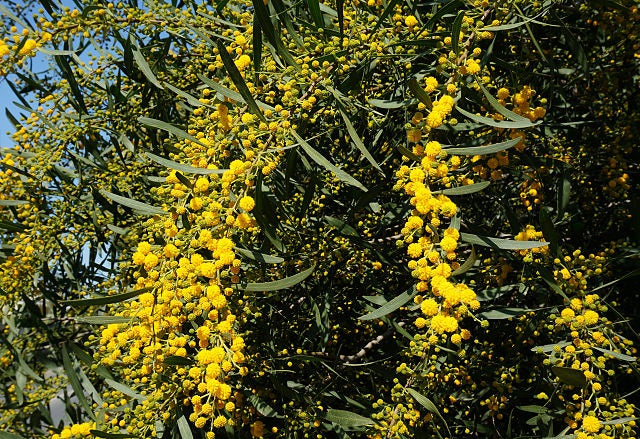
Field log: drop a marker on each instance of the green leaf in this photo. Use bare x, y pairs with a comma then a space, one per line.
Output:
319, 159
107, 435
191, 100
117, 298
470, 262
261, 13
144, 66
391, 305
138, 206
498, 124
428, 404
419, 93
262, 407
388, 10
175, 360
183, 427
617, 355
532, 408
486, 149
549, 231
13, 202
238, 80
619, 420
502, 313
464, 190
573, 377
347, 419
316, 13
632, 273
547, 348
564, 194
155, 123
505, 26
257, 256
75, 382
103, 320
500, 108
455, 33
352, 131
405, 152
124, 389
343, 228
499, 243
281, 284
390, 104
187, 169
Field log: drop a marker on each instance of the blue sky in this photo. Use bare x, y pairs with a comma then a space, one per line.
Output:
6, 99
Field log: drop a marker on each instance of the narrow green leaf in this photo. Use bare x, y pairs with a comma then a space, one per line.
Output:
75, 382
419, 93
391, 305
632, 273
103, 320
316, 13
547, 348
262, 407
405, 152
532, 408
619, 420
257, 48
191, 100
13, 202
388, 10
347, 419
353, 134
138, 206
144, 66
498, 124
124, 389
342, 227
238, 80
428, 404
468, 264
564, 194
187, 169
183, 427
390, 104
319, 159
117, 298
617, 355
499, 243
155, 123
256, 256
107, 435
486, 149
502, 313
280, 284
464, 190
505, 26
455, 33
500, 108
264, 17
175, 360
573, 377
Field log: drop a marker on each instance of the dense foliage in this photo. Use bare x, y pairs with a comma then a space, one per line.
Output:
320, 220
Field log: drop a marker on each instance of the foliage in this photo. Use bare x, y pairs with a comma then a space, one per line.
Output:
305, 219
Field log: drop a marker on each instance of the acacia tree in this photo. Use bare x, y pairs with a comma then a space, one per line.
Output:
320, 219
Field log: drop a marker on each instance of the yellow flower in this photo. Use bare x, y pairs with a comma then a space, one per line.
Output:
247, 203
591, 424
411, 21
29, 46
